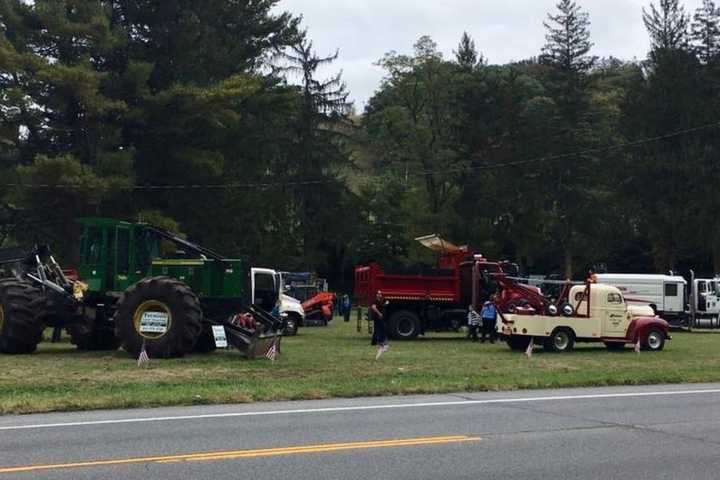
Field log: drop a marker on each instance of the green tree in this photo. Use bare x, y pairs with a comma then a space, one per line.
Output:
667, 25
467, 55
570, 182
318, 151
706, 32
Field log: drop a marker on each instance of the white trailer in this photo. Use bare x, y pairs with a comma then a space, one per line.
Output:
665, 294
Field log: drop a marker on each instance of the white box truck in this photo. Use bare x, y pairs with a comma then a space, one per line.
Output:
665, 294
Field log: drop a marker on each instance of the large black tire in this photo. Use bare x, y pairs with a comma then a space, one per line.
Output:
21, 326
403, 325
560, 341
654, 341
159, 294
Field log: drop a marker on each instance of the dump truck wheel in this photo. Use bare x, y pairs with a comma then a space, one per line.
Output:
562, 340
161, 312
206, 341
654, 341
404, 325
21, 327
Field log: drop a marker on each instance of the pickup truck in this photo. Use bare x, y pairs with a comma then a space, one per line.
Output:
591, 313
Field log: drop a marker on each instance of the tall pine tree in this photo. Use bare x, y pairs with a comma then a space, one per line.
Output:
568, 181
667, 25
706, 32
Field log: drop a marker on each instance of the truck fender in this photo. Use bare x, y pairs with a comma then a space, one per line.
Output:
640, 326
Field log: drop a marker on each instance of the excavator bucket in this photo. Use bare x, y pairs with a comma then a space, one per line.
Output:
254, 332
252, 345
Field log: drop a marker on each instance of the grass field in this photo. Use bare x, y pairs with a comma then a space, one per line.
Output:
334, 362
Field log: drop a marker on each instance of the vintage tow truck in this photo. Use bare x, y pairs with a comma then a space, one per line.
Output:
591, 313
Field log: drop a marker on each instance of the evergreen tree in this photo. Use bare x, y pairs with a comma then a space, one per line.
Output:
568, 39
317, 151
667, 25
706, 31
466, 54
569, 181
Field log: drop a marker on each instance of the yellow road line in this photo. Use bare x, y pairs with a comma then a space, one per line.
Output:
235, 454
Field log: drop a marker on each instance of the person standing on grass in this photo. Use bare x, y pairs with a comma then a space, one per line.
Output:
377, 315
346, 307
474, 322
489, 321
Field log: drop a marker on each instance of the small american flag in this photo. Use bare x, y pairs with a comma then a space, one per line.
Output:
272, 352
529, 351
143, 359
637, 346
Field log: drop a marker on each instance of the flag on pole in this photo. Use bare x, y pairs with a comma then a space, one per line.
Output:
637, 346
531, 345
273, 351
143, 359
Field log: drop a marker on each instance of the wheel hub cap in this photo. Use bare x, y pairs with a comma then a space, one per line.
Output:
561, 341
654, 340
405, 327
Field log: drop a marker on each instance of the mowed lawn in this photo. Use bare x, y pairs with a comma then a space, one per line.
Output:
334, 362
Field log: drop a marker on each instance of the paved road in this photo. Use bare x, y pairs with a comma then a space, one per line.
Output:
636, 433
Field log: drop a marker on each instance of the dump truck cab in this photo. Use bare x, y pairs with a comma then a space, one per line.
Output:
591, 313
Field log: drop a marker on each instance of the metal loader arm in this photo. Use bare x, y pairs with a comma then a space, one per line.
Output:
185, 243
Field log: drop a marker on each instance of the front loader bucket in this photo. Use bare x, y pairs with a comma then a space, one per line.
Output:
251, 345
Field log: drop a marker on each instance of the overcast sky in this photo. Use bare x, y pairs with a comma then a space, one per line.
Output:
504, 30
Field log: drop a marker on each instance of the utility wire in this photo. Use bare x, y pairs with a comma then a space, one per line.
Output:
580, 153
423, 173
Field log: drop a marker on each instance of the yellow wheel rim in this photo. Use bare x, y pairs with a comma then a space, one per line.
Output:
152, 306
2, 318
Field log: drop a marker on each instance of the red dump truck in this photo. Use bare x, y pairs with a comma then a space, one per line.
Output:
437, 299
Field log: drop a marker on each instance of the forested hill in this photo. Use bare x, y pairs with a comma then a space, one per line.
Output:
210, 117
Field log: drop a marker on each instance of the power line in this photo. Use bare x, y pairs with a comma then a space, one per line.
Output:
225, 186
471, 168
580, 153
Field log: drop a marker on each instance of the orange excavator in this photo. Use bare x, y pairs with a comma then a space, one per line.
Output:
317, 302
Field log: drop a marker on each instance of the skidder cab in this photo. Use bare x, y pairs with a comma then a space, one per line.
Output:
596, 313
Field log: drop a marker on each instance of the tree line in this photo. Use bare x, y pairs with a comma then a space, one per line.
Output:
210, 118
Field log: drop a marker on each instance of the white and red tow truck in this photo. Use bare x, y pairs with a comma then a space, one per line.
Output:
590, 312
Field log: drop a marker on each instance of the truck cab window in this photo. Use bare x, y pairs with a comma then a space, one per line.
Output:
615, 299
671, 290
94, 246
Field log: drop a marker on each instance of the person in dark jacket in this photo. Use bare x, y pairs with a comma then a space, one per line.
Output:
346, 307
377, 315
